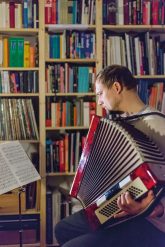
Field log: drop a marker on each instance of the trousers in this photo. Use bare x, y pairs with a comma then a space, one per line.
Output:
74, 231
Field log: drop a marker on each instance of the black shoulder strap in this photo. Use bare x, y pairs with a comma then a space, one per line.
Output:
141, 116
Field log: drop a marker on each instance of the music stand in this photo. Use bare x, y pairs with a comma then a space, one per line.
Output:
17, 170
20, 190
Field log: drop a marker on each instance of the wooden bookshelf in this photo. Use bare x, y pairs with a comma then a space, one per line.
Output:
30, 145
44, 131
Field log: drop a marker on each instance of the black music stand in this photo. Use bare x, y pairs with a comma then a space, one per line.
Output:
20, 190
18, 170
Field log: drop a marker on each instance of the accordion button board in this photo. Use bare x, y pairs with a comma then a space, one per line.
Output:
109, 208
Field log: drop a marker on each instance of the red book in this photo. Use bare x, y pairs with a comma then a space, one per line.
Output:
146, 12
111, 12
53, 12
155, 12
12, 14
48, 11
126, 12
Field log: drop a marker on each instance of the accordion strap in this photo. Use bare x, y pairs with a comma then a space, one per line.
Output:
139, 116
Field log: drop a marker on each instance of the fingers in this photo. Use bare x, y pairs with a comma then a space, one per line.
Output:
124, 201
129, 206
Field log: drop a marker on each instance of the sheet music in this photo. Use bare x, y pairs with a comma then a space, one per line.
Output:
16, 169
7, 179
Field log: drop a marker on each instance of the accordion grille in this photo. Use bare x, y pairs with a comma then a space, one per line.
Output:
118, 148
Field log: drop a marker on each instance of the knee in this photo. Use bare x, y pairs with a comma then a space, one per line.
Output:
58, 230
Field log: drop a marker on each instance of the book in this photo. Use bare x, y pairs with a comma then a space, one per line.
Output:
16, 168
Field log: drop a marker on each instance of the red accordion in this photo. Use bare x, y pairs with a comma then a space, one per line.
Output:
116, 158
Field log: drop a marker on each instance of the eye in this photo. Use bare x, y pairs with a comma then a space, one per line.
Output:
99, 93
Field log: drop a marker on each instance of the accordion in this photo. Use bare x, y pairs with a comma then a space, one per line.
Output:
116, 158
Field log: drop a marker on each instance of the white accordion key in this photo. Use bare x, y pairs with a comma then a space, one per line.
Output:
108, 208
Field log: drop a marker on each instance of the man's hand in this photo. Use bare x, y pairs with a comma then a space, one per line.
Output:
129, 206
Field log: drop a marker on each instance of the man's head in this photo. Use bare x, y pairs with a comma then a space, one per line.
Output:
111, 85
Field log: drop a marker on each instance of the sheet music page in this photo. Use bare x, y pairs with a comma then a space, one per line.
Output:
18, 166
8, 180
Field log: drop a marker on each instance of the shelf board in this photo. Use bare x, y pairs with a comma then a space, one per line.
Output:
19, 94
150, 76
61, 27
24, 245
52, 174
52, 245
70, 94
19, 68
22, 141
28, 211
19, 31
67, 128
135, 28
69, 60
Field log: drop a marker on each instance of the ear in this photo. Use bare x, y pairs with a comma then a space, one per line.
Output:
117, 87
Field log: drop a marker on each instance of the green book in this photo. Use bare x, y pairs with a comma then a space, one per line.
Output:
20, 52
16, 52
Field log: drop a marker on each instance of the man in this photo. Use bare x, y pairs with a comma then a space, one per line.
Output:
116, 91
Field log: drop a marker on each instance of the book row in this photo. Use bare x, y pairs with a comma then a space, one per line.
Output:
19, 14
58, 206
143, 54
125, 12
65, 78
69, 113
71, 44
19, 82
18, 121
152, 93
63, 152
70, 11
18, 52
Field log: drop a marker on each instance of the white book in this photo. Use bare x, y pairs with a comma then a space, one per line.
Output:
53, 114
137, 55
3, 10
127, 43
18, 15
56, 210
1, 15
120, 13
117, 50
7, 24
123, 53
16, 168
163, 104
86, 114
6, 81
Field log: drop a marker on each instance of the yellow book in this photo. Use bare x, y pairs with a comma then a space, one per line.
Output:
26, 54
5, 52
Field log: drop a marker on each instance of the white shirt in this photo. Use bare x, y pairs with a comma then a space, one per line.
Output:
154, 127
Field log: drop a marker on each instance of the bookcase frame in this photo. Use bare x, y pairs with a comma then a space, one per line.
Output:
99, 27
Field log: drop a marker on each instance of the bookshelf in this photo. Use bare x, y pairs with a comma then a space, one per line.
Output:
59, 63
15, 23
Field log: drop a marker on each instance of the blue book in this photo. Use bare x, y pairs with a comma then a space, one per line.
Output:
71, 80
86, 79
25, 13
74, 16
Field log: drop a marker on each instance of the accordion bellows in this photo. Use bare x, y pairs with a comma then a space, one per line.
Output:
112, 151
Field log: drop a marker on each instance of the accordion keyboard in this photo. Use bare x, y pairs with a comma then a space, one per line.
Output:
107, 210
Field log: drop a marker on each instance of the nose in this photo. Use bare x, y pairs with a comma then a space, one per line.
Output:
99, 101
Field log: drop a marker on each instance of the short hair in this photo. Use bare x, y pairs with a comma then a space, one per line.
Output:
122, 74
